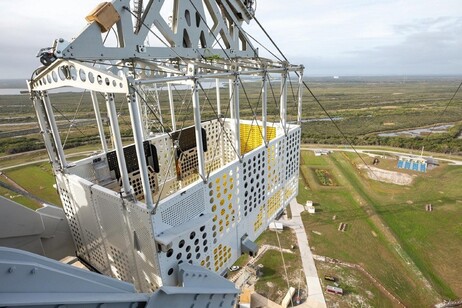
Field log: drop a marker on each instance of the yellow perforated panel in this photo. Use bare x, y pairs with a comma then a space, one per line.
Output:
274, 203
206, 263
251, 136
270, 133
221, 198
221, 255
259, 221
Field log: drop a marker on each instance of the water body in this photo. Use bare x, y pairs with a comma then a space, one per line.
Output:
419, 131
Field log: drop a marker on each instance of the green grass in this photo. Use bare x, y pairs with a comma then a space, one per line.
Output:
355, 285
308, 158
432, 240
32, 204
363, 242
273, 282
286, 239
403, 237
36, 179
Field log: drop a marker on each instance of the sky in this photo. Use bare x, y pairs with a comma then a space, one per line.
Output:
329, 37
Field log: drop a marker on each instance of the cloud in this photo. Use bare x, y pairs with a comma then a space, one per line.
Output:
330, 37
426, 46
429, 47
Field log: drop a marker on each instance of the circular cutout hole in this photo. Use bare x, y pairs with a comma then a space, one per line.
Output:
91, 77
82, 75
73, 72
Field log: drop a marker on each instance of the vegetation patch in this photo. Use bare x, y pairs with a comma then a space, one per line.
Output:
324, 177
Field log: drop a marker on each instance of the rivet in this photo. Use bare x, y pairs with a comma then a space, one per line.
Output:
33, 271
11, 269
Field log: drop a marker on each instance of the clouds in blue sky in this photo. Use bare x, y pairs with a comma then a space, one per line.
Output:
330, 37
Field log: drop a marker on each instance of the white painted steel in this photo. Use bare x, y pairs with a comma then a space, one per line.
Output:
225, 196
99, 121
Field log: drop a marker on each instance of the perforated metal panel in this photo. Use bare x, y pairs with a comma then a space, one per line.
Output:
221, 197
214, 155
115, 230
146, 256
70, 212
275, 165
274, 205
292, 155
229, 151
254, 181
238, 200
90, 232
191, 246
135, 182
179, 210
166, 158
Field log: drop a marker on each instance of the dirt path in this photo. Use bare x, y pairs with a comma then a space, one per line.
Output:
387, 176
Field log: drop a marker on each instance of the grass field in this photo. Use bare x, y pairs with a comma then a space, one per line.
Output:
38, 180
273, 283
384, 231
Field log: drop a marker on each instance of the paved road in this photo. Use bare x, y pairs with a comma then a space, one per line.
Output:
315, 294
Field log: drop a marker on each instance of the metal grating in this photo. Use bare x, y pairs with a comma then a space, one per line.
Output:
120, 265
184, 209
96, 250
70, 213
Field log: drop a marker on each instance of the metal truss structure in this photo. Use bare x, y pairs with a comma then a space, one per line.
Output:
198, 194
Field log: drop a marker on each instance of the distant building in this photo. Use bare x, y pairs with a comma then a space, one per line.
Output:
322, 152
413, 163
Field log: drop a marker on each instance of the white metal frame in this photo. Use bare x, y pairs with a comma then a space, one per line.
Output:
225, 199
